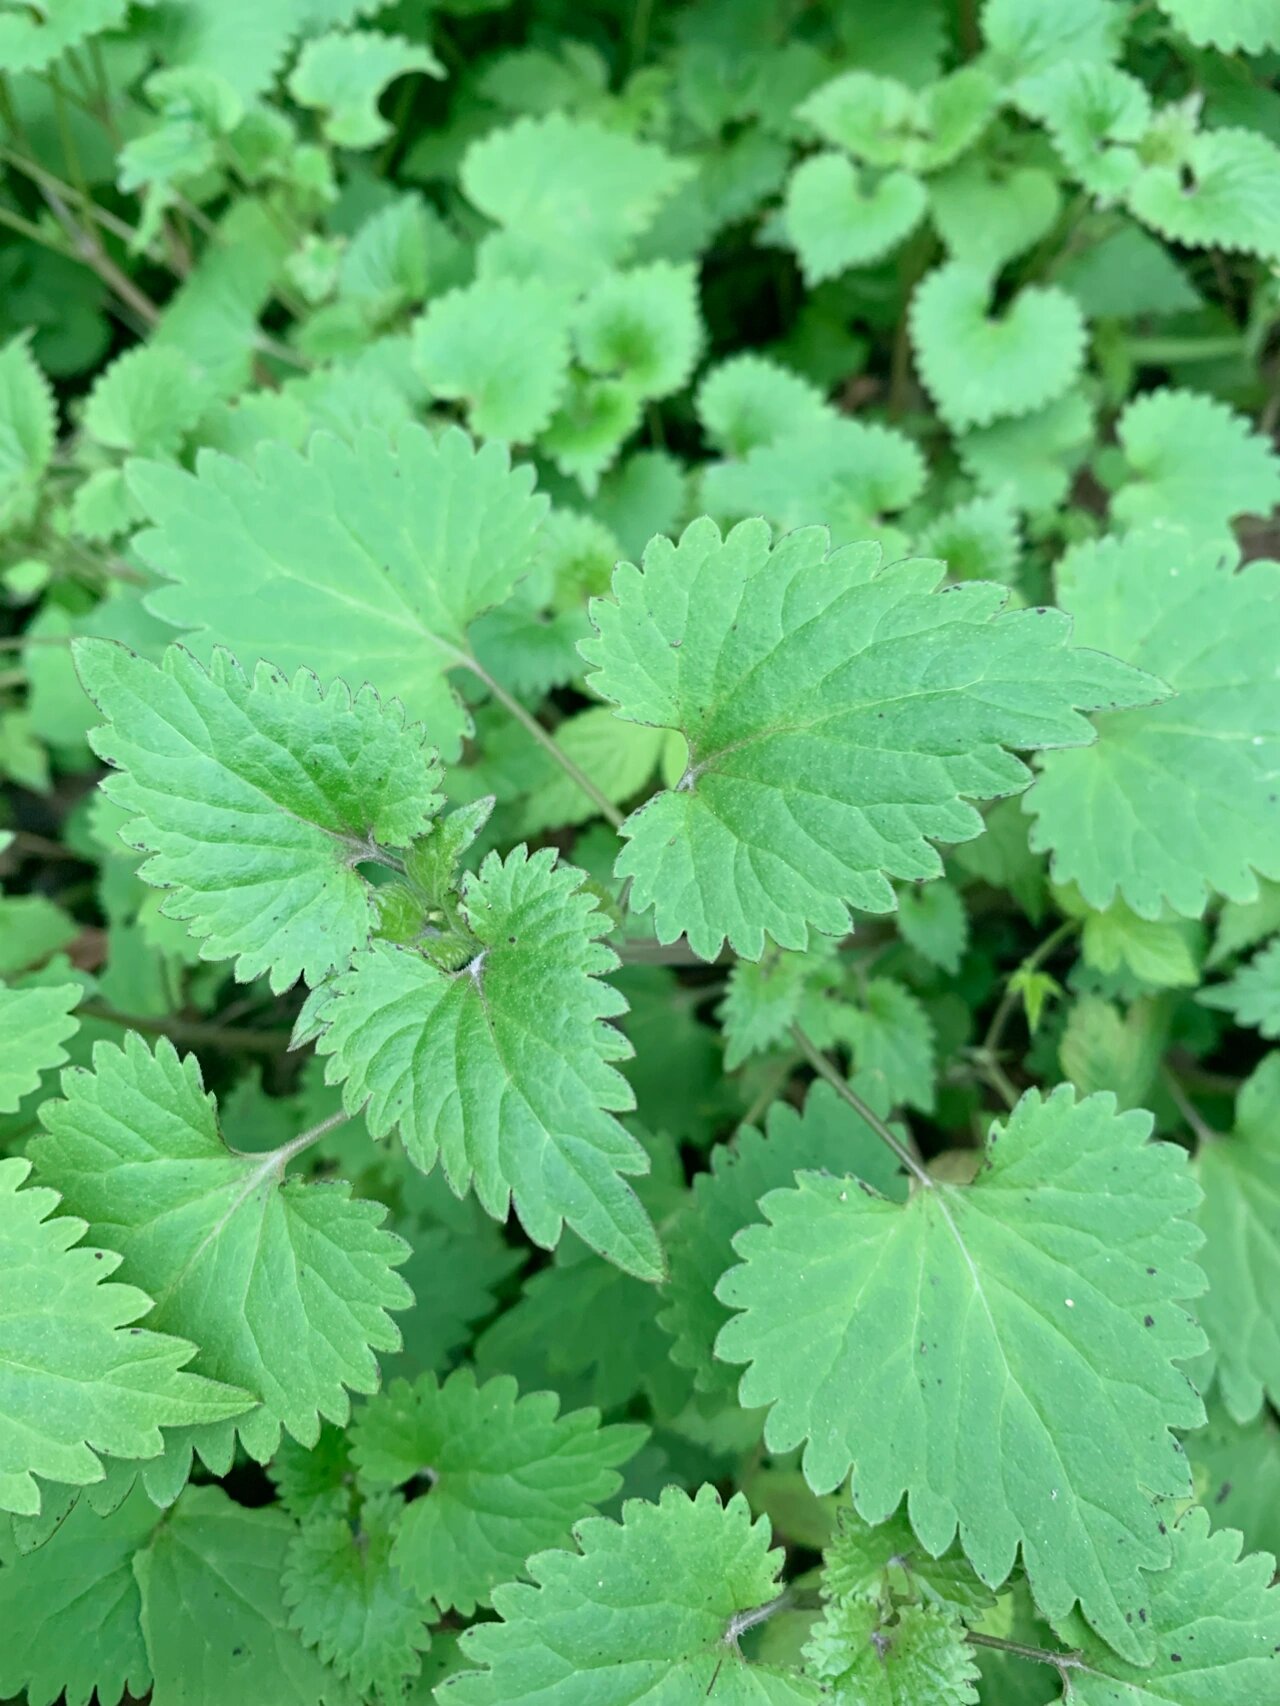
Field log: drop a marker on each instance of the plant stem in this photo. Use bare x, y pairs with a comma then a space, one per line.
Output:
1009, 999
41, 176
304, 1140
1199, 1127
532, 726
823, 1067
195, 1032
1061, 1662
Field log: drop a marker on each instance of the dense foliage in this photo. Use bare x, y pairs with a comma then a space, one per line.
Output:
641, 852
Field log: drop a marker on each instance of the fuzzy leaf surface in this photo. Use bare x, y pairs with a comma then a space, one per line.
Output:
946, 1348
839, 715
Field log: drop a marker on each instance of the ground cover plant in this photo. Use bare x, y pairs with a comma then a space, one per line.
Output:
640, 932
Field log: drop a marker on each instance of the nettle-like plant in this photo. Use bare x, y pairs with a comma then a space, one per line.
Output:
643, 809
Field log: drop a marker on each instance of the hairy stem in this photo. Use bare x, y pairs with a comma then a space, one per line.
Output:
1061, 1662
823, 1067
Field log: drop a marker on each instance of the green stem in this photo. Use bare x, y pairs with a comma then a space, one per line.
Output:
281, 1157
532, 726
823, 1067
194, 1032
33, 233
40, 175
1061, 1662
1009, 999
1199, 1127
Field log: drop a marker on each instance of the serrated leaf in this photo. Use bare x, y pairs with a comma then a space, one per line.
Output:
888, 124
828, 1136
31, 37
76, 1378
283, 1284
502, 1069
892, 1041
1104, 1049
347, 1600
644, 1609
922, 1655
28, 423
1193, 462
980, 367
1247, 26
1031, 458
146, 402
933, 920
1215, 1629
836, 216
840, 473
500, 346
1252, 995
1237, 1474
777, 664
344, 73
750, 400
763, 998
1176, 799
641, 326
1033, 1294
987, 211
1223, 193
978, 540
367, 559
70, 1609
1159, 952
1240, 1216
885, 1564
213, 1612
508, 1477
569, 183
1096, 115
255, 799
35, 1023
1026, 36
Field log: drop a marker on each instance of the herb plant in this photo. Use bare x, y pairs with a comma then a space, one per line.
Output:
640, 928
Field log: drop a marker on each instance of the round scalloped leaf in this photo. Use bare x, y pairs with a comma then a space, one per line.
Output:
843, 474
344, 74
1194, 462
836, 216
1095, 115
1243, 26
501, 346
946, 1348
1222, 193
839, 714
884, 123
509, 1476
284, 1284
32, 37
980, 367
1026, 36
643, 1611
986, 211
641, 327
1030, 459
750, 400
1177, 799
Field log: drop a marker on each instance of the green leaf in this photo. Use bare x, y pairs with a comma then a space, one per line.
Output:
70, 1609
344, 73
76, 1378
750, 400
1102, 1049
840, 473
933, 921
645, 1610
346, 1598
1049, 1288
365, 559
978, 540
1032, 458
35, 1023
1237, 1474
777, 665
921, 1656
980, 367
1176, 799
1240, 1217
283, 1284
569, 183
885, 123
886, 1564
502, 347
836, 216
28, 423
1096, 115
1247, 26
1215, 1630
502, 1068
1128, 273
987, 211
1158, 952
508, 1477
1194, 462
213, 1612
32, 37
256, 799
618, 758
1252, 995
643, 327
892, 1041
1223, 192
1026, 36
827, 1137
146, 402
764, 998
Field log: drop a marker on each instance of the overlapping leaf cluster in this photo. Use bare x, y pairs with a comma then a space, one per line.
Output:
640, 859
